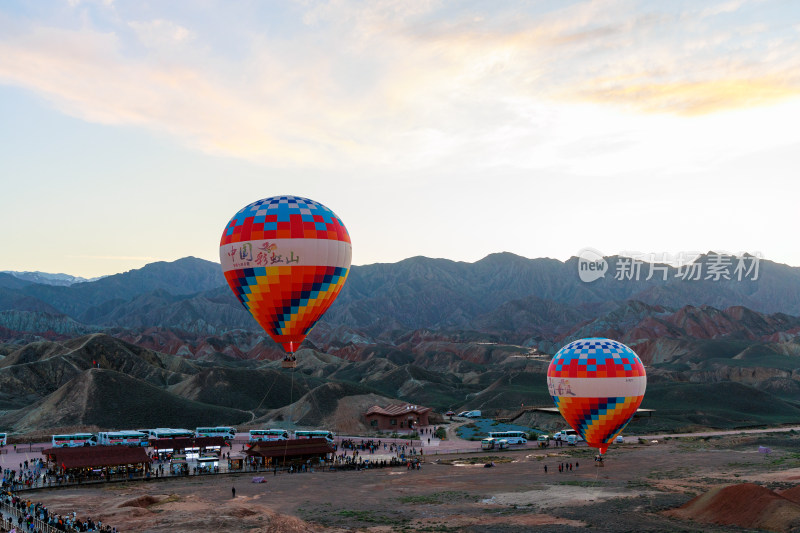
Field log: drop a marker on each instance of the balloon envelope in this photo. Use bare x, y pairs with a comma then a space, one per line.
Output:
286, 259
597, 385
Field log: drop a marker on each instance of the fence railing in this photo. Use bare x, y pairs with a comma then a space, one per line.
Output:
12, 513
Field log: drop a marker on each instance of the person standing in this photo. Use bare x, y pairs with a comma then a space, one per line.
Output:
233, 492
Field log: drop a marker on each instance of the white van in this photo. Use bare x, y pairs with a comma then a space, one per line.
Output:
564, 433
572, 440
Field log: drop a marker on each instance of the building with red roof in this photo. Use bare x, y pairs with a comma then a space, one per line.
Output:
291, 451
397, 417
97, 457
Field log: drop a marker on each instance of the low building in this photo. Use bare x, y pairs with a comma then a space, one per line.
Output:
397, 417
283, 452
90, 461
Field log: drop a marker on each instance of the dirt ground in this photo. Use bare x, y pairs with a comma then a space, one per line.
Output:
629, 493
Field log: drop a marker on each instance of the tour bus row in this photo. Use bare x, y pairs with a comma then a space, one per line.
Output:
265, 435
139, 437
142, 437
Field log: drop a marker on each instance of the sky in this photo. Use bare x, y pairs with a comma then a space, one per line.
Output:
132, 131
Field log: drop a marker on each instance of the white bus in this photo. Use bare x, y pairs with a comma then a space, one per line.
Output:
262, 435
487, 444
513, 437
168, 433
327, 435
123, 438
74, 440
226, 432
3, 439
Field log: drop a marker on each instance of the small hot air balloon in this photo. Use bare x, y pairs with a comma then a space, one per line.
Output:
597, 385
286, 259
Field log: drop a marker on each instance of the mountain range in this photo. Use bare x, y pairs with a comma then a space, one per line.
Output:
61, 280
428, 331
542, 295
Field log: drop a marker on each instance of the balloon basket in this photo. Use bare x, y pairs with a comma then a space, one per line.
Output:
289, 364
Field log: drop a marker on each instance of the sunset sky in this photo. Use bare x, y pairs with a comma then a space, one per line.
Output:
131, 131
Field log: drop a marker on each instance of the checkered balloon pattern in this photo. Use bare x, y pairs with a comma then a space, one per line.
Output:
286, 259
284, 217
597, 385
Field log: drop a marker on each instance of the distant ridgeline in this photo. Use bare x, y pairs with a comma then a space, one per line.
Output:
432, 332
503, 296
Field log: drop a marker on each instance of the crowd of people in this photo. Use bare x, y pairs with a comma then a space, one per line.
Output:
359, 463
30, 474
564, 467
401, 451
38, 475
28, 512
24, 516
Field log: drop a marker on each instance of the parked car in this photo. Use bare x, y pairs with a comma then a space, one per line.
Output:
450, 413
472, 414
619, 439
543, 438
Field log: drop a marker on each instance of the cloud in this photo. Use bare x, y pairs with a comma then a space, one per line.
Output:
696, 97
76, 3
721, 8
86, 75
159, 33
114, 257
408, 83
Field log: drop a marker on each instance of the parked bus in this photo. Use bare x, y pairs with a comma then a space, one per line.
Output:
226, 432
263, 435
487, 444
74, 440
513, 437
168, 433
123, 438
327, 435
3, 439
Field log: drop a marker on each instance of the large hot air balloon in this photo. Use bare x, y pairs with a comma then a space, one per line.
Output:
286, 258
597, 385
